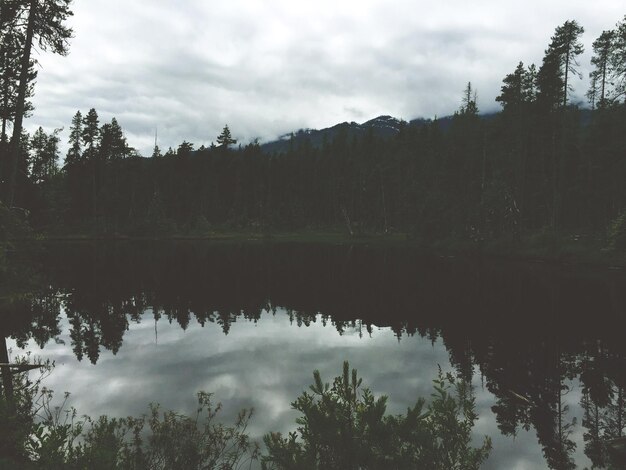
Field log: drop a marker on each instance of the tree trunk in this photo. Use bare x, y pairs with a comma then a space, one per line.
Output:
567, 57
7, 380
14, 147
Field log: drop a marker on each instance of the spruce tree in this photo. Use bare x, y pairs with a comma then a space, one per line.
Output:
113, 144
513, 91
566, 43
618, 60
42, 23
559, 63
601, 60
74, 154
468, 106
44, 155
550, 82
225, 139
90, 135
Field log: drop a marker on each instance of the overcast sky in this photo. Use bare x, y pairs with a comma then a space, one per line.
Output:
265, 68
173, 368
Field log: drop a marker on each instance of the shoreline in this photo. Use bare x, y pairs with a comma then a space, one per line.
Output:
538, 247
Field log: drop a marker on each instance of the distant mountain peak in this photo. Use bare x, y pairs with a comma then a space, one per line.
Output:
383, 122
383, 126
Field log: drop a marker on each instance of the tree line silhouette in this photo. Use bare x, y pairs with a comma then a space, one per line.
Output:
542, 162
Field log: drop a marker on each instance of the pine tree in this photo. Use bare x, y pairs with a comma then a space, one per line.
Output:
618, 60
566, 43
513, 92
184, 149
156, 152
10, 50
601, 60
113, 144
90, 135
38, 144
559, 63
225, 139
44, 155
550, 82
42, 23
530, 84
74, 154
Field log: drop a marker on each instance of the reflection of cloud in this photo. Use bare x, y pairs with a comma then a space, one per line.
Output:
265, 366
271, 67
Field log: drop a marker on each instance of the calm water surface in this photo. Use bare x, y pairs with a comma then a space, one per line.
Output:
129, 324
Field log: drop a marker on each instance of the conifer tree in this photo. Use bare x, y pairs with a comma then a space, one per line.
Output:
10, 50
469, 106
90, 134
44, 155
618, 60
113, 144
225, 139
74, 154
601, 60
559, 63
550, 82
513, 92
184, 149
566, 43
530, 84
42, 24
156, 152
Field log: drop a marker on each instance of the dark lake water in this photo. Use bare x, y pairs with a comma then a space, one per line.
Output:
133, 323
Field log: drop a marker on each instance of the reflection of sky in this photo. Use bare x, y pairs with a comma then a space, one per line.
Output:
265, 365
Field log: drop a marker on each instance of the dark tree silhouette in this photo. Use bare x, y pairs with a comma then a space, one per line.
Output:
44, 26
225, 139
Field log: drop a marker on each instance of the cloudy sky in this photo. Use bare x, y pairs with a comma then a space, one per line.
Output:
171, 369
268, 67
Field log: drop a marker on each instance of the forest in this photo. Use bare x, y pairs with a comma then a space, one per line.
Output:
543, 164
546, 168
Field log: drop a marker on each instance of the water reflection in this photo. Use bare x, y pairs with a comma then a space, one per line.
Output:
545, 342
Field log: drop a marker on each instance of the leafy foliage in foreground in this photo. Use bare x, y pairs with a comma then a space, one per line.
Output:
38, 435
344, 426
171, 440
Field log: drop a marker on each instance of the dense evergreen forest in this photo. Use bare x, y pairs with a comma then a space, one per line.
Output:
541, 164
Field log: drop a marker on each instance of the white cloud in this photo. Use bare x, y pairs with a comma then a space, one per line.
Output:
270, 67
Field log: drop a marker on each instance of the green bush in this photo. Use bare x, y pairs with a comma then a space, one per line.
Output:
171, 441
345, 427
342, 426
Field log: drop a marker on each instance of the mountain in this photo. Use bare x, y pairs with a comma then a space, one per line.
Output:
381, 126
384, 126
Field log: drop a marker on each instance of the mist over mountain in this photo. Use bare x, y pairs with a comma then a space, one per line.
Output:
384, 126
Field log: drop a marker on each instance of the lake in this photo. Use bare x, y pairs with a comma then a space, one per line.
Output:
129, 323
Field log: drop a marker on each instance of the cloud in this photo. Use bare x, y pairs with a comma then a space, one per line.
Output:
264, 366
267, 68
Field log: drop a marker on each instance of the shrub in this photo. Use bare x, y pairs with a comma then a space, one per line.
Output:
344, 426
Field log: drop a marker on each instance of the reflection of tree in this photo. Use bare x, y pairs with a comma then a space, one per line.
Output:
602, 377
554, 434
39, 318
94, 323
500, 320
